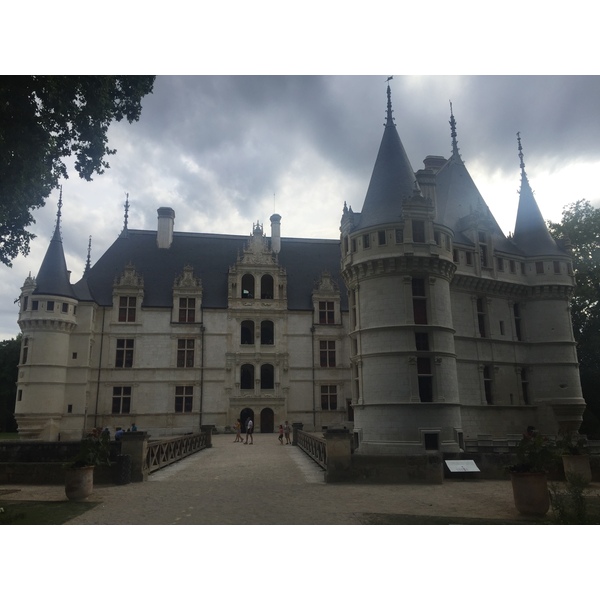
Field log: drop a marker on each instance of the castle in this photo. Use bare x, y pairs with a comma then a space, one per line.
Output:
421, 328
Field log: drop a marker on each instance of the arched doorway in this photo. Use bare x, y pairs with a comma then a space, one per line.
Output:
244, 415
267, 421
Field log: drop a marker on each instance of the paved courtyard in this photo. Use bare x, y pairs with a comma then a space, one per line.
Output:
268, 483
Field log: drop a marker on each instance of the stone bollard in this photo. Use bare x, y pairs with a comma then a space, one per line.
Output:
295, 428
339, 452
135, 444
207, 429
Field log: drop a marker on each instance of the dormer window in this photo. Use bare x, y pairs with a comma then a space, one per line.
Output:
127, 306
187, 310
326, 313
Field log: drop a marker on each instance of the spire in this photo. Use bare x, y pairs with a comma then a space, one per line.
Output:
88, 264
392, 180
56, 235
452, 122
126, 215
53, 276
531, 233
389, 120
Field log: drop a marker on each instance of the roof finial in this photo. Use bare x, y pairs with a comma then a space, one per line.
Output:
57, 235
126, 205
390, 119
88, 264
453, 133
522, 165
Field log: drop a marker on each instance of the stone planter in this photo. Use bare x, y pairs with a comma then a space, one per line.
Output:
79, 483
577, 465
530, 493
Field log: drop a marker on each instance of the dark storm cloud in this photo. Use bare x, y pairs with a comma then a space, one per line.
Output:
247, 130
219, 148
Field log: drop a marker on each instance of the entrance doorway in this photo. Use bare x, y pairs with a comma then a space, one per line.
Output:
244, 415
267, 421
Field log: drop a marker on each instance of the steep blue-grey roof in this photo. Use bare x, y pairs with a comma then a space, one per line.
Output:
211, 256
392, 180
531, 234
53, 276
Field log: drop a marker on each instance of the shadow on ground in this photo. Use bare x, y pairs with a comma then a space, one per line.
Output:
389, 519
42, 513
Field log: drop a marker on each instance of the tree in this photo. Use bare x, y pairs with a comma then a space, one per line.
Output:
9, 371
581, 226
43, 120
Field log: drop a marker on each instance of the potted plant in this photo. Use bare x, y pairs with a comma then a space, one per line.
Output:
575, 457
536, 455
94, 451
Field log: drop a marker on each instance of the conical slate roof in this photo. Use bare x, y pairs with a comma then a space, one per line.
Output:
531, 234
392, 179
53, 276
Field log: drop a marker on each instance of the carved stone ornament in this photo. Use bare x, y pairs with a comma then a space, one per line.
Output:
129, 278
187, 279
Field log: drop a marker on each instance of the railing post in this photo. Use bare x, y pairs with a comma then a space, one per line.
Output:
339, 454
135, 444
295, 428
207, 429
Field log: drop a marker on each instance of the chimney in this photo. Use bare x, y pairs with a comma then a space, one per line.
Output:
164, 235
276, 233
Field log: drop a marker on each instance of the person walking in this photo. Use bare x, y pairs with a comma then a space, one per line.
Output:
280, 438
238, 431
287, 430
249, 428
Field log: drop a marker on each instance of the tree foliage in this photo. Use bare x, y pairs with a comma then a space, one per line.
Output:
45, 119
581, 226
9, 371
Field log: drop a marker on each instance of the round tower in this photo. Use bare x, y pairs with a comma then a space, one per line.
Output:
397, 264
47, 316
553, 368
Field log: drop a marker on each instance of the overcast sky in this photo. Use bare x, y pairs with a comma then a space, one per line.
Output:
227, 151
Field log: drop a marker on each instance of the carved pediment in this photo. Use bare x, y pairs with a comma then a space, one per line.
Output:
257, 251
326, 284
129, 278
187, 281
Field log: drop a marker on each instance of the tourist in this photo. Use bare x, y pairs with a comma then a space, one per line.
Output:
287, 430
133, 427
249, 427
238, 431
280, 434
119, 434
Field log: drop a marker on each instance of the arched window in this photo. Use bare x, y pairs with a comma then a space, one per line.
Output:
247, 377
266, 287
267, 377
248, 286
247, 332
267, 333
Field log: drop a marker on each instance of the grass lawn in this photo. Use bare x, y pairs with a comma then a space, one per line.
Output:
9, 436
41, 513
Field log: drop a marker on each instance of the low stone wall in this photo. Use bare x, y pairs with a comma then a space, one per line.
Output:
423, 468
45, 452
